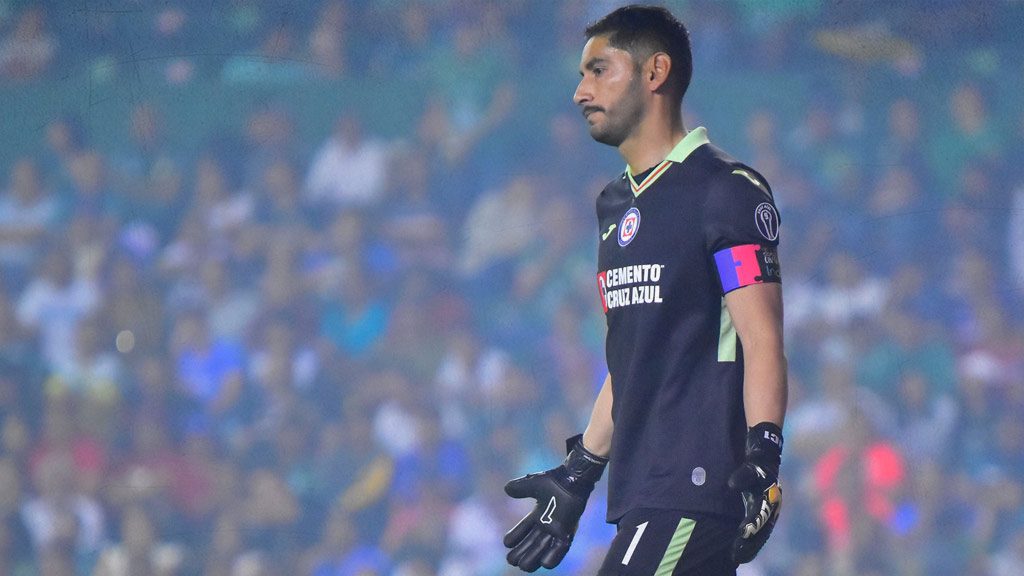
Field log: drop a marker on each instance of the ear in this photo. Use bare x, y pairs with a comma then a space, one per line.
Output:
656, 71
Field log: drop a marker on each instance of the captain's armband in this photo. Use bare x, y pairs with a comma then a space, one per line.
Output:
747, 264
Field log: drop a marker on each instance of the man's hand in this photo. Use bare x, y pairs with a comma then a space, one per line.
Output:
543, 537
758, 480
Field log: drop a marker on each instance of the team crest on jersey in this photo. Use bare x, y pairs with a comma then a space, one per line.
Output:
628, 226
767, 220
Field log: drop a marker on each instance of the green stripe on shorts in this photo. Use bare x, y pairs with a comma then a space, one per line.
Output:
675, 547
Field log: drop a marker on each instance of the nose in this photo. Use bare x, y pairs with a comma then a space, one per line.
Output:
582, 94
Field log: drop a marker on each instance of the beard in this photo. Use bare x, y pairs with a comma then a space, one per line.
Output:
622, 117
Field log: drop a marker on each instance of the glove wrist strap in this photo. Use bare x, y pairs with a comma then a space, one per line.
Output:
581, 464
764, 441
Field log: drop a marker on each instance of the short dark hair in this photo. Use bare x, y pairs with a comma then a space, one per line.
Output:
645, 30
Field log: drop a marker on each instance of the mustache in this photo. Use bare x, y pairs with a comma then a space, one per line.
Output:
588, 109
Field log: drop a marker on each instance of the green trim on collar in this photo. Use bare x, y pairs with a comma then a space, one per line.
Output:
694, 139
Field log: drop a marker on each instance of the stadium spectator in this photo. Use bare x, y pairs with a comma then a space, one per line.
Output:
276, 61
146, 146
146, 470
349, 169
30, 48
328, 40
90, 193
970, 135
903, 141
406, 33
414, 226
22, 368
269, 511
903, 347
330, 444
133, 306
281, 350
28, 211
269, 136
225, 209
439, 463
356, 318
141, 552
361, 481
995, 357
498, 228
61, 519
852, 292
65, 139
474, 530
822, 407
92, 370
970, 290
278, 198
1009, 560
232, 308
574, 364
226, 544
927, 420
210, 370
857, 480
15, 544
55, 302
470, 87
471, 74
160, 201
899, 214
467, 368
204, 488
413, 317
180, 260
341, 552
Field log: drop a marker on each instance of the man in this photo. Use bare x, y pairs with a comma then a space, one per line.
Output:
690, 285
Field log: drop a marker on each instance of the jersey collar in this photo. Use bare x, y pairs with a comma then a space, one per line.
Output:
694, 139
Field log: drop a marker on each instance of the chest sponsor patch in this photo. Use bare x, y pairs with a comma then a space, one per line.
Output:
628, 226
629, 285
748, 264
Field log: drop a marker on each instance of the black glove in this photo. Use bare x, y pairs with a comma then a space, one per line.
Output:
758, 480
543, 537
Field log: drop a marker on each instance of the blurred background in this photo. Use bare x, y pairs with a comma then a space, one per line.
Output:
295, 287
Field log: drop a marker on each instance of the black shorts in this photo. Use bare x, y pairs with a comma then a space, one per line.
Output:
652, 542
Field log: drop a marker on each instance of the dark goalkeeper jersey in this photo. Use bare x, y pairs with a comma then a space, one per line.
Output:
675, 240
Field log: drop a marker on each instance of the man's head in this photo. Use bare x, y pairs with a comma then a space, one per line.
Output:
630, 53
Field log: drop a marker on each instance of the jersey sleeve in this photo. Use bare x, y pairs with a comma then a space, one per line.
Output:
741, 230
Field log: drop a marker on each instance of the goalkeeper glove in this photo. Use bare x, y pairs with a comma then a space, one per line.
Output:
758, 480
543, 537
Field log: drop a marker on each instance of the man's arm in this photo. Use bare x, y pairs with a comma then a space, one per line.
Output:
756, 312
597, 438
543, 537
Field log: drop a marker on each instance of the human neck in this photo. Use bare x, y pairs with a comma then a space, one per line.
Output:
652, 140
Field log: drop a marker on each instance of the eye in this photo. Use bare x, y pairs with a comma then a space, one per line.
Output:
598, 71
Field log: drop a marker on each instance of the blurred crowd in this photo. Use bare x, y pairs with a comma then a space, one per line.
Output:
271, 356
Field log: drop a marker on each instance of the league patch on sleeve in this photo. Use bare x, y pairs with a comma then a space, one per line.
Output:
748, 264
767, 220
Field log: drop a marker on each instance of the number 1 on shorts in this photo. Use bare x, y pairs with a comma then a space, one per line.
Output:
632, 545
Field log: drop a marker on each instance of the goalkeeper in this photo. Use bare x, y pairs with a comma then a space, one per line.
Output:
689, 418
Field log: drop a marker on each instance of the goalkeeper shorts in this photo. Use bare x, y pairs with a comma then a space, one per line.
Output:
652, 542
